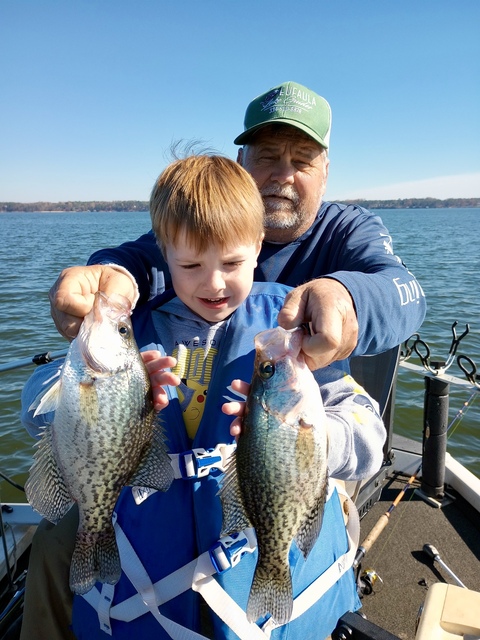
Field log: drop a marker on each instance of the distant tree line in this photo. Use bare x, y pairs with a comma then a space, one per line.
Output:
115, 205
139, 205
418, 203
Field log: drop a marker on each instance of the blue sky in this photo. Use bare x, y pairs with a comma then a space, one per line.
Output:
93, 92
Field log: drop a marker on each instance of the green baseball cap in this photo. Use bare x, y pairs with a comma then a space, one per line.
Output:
289, 103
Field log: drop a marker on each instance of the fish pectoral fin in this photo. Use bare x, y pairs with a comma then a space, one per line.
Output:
45, 487
154, 469
234, 515
48, 401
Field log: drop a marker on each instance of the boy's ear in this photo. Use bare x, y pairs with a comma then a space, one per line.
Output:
259, 244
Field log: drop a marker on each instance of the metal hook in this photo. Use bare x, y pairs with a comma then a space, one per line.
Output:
436, 367
424, 358
409, 349
454, 346
471, 374
457, 339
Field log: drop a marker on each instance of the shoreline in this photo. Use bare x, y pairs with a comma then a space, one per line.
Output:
134, 206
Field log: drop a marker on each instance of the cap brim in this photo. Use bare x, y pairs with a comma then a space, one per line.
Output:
244, 137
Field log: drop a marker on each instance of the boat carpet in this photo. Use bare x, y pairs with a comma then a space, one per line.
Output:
398, 557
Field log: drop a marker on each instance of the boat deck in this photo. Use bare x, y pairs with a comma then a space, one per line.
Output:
398, 557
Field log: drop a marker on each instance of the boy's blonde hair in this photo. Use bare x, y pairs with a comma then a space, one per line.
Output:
210, 197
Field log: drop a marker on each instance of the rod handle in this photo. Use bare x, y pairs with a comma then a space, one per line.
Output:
375, 532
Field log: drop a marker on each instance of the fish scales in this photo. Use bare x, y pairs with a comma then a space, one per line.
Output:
104, 436
279, 471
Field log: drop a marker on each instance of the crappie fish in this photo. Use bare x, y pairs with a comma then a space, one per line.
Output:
105, 435
277, 479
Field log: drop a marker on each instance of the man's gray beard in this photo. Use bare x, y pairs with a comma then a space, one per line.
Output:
282, 215
282, 218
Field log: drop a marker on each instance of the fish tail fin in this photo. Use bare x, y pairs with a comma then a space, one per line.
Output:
95, 558
271, 594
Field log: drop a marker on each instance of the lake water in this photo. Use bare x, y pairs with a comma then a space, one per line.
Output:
440, 246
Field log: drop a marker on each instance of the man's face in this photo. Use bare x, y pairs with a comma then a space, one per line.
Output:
291, 171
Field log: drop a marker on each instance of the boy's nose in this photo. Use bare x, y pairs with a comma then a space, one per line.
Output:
215, 281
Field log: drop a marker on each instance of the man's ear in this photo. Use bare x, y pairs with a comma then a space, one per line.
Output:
240, 156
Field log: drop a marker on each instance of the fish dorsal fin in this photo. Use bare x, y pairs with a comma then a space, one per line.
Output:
48, 401
234, 515
154, 470
45, 487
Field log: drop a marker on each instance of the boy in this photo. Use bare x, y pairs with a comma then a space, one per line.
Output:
207, 215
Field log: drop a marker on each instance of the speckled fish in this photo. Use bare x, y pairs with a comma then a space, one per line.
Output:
105, 435
277, 479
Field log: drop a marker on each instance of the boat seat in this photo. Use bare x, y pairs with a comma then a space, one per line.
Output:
378, 376
449, 613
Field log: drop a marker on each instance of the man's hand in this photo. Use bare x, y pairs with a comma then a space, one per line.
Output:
71, 297
327, 305
156, 364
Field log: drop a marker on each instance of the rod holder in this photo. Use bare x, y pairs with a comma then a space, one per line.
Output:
435, 423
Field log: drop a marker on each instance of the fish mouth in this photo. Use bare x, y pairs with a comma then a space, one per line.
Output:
97, 338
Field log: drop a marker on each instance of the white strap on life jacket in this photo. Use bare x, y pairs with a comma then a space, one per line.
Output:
198, 575
150, 596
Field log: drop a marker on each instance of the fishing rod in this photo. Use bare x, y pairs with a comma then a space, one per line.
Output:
382, 521
385, 517
41, 358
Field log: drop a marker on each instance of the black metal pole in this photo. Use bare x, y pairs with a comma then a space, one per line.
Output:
435, 422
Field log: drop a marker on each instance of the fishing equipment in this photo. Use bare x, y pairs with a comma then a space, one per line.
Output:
436, 367
381, 523
471, 373
433, 554
41, 358
435, 431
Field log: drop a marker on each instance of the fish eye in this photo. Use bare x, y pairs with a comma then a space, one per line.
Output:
266, 369
123, 330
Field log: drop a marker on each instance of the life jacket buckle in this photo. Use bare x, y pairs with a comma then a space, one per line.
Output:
198, 463
228, 550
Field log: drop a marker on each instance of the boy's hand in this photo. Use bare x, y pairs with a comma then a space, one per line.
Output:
71, 297
327, 305
156, 364
236, 408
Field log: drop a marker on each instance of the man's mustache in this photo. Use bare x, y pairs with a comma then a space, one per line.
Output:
287, 192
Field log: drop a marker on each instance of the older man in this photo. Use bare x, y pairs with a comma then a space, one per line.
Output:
357, 295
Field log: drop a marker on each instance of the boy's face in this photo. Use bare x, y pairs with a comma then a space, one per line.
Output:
214, 283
